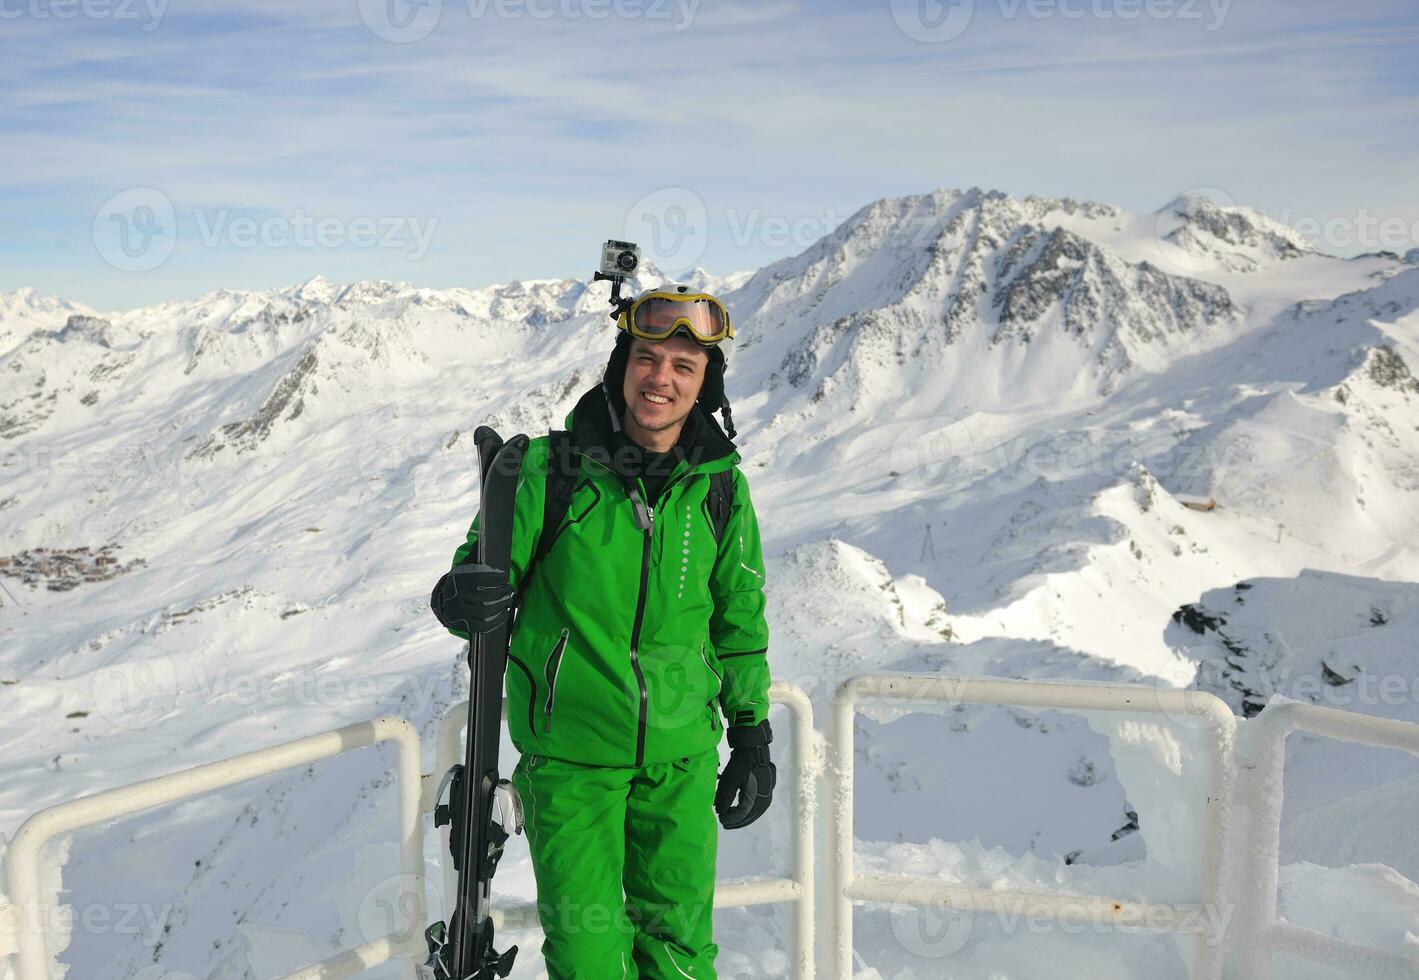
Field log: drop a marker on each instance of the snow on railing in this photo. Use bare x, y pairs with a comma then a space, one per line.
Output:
23, 857
9, 931
1262, 758
908, 890
798, 889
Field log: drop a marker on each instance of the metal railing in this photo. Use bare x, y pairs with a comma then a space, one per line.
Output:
798, 888
1250, 771
1263, 761
908, 889
28, 912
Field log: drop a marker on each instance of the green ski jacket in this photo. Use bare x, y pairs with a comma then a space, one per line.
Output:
630, 642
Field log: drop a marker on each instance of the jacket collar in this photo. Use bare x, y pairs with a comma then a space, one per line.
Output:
595, 424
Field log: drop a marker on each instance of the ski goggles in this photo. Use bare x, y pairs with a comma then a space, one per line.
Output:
657, 315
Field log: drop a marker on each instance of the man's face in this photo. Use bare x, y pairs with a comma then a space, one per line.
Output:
663, 379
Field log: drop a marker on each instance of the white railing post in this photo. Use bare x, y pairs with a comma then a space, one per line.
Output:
1259, 930
22, 859
804, 807
899, 889
840, 819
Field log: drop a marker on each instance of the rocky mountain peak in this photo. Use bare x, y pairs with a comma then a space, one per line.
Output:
1244, 238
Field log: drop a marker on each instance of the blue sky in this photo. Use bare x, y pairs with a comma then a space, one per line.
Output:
465, 142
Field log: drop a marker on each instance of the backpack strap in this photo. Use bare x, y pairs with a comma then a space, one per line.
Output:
562, 471
720, 500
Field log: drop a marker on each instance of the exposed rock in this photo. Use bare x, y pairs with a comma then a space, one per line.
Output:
285, 398
1388, 370
92, 329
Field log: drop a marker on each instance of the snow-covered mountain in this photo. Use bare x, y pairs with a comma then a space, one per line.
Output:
26, 310
1240, 239
973, 426
906, 279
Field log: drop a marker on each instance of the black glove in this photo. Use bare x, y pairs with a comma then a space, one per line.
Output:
473, 598
749, 774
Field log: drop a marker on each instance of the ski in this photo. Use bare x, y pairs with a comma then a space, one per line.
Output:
482, 810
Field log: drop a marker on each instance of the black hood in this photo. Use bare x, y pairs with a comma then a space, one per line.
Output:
596, 431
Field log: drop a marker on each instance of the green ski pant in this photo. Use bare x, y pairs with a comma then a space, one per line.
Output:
625, 866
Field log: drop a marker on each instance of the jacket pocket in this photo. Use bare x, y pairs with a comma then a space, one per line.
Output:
718, 677
711, 706
554, 664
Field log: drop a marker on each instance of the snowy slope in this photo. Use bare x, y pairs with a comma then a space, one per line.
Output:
969, 422
25, 310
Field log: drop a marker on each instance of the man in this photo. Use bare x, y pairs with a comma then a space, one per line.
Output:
641, 619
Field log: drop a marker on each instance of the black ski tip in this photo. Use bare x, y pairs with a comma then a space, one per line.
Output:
508, 460
486, 438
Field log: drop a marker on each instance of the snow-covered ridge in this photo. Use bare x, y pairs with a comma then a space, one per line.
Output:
1242, 237
25, 310
978, 291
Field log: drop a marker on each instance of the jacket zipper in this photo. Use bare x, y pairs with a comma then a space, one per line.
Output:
636, 632
554, 663
637, 495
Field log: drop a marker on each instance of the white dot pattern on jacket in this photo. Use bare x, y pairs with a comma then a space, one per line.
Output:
685, 553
